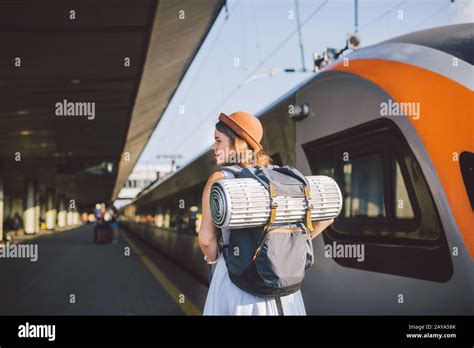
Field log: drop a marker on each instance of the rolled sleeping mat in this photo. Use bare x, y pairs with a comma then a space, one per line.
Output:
245, 202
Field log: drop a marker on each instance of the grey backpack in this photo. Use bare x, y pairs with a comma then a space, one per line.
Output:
270, 261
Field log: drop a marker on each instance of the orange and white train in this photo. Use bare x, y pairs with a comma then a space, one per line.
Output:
392, 123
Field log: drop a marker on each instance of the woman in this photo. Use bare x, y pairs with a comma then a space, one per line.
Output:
237, 142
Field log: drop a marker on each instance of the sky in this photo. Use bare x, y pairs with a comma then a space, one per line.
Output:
238, 67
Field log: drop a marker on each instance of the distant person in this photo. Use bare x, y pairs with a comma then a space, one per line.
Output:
98, 211
179, 223
115, 225
99, 228
192, 222
8, 224
17, 222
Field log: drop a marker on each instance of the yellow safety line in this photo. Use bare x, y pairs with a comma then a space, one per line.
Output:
186, 306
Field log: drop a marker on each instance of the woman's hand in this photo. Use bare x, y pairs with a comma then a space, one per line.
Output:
319, 227
207, 237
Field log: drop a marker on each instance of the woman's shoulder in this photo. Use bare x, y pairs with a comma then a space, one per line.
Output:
217, 175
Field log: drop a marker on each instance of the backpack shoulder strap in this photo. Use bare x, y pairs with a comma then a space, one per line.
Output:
293, 172
231, 171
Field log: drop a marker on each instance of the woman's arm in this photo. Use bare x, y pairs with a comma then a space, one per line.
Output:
319, 227
207, 237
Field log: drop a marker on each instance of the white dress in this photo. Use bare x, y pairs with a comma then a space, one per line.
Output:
225, 298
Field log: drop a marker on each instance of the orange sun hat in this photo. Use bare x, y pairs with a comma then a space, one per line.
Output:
246, 126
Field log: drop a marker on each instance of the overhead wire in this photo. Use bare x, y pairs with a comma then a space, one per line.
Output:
237, 88
379, 17
204, 60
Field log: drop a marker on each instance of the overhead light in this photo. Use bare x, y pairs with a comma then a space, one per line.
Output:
23, 112
353, 41
76, 81
38, 145
104, 168
25, 132
62, 154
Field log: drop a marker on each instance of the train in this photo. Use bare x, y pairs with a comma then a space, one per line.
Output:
392, 123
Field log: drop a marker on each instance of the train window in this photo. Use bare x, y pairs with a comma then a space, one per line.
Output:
362, 198
402, 203
375, 185
363, 189
324, 165
276, 159
386, 202
466, 162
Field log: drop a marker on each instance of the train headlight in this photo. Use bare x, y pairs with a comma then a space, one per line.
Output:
299, 112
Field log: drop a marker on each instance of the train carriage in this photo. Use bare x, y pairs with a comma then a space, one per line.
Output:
392, 124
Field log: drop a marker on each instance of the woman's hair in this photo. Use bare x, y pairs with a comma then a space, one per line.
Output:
245, 155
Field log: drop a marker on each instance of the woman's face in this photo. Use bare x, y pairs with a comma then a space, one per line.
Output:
222, 147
